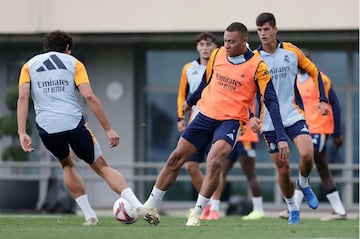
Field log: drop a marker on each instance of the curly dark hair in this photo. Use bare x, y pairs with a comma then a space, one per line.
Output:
58, 41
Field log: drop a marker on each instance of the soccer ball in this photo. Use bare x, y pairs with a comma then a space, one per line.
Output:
124, 212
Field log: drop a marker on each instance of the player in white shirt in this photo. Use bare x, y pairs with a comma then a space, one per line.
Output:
283, 60
52, 78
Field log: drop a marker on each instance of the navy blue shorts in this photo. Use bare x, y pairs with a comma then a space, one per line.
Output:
200, 157
81, 140
292, 131
319, 141
243, 148
203, 131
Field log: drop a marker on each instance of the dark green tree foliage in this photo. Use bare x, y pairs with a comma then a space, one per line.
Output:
8, 127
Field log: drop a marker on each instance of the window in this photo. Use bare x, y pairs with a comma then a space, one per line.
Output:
162, 80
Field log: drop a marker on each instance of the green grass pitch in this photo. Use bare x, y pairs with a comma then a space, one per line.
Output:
70, 227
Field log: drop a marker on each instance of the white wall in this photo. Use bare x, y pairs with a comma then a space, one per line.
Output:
38, 16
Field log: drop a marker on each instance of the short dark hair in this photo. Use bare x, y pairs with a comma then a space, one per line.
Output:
264, 18
237, 27
205, 36
57, 41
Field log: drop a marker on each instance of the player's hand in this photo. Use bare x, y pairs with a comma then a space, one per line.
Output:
255, 124
26, 143
181, 125
338, 141
323, 107
284, 151
186, 107
113, 137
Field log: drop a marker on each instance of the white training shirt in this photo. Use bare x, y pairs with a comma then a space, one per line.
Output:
54, 78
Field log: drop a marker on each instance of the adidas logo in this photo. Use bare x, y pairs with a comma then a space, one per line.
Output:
230, 135
195, 72
52, 63
304, 129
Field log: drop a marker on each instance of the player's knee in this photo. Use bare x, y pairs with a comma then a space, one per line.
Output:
174, 161
191, 168
307, 157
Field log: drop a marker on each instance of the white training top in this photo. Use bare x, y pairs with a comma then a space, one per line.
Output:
54, 78
283, 65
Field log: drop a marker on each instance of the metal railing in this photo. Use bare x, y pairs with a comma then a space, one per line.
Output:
134, 173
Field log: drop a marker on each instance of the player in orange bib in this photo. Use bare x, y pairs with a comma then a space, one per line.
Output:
244, 150
233, 76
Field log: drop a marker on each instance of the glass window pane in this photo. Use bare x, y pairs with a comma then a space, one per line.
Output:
162, 80
355, 68
164, 67
356, 107
356, 127
335, 69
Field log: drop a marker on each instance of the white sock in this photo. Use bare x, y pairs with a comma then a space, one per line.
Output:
129, 196
303, 181
257, 204
298, 197
291, 204
335, 201
200, 204
215, 205
155, 197
85, 207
